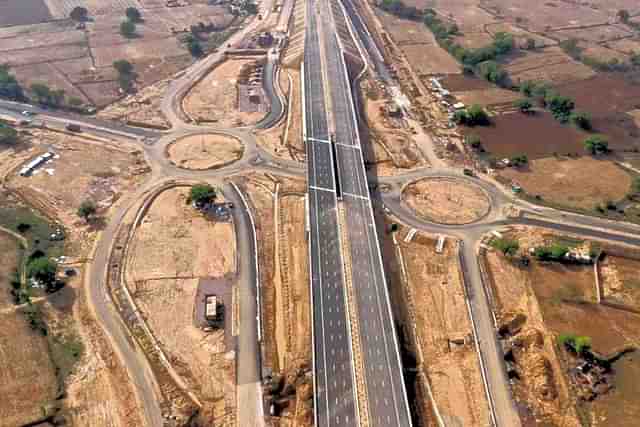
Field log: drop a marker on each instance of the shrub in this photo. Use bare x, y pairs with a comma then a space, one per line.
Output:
506, 246
596, 144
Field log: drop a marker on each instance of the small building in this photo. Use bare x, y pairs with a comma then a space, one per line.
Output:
211, 311
459, 106
33, 164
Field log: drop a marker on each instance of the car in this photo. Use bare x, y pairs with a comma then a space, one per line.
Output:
72, 127
467, 172
27, 113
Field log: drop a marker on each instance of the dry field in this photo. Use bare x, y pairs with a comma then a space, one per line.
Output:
394, 149
172, 248
418, 45
626, 46
78, 173
569, 182
434, 281
140, 109
620, 281
27, 378
520, 35
285, 292
549, 64
215, 98
80, 60
466, 13
558, 299
199, 152
474, 40
604, 54
493, 96
597, 34
446, 200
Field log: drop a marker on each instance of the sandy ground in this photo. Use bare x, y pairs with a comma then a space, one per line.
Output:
141, 108
285, 291
79, 173
173, 247
200, 152
452, 370
570, 182
446, 201
215, 98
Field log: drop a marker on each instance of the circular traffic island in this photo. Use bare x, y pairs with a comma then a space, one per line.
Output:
205, 151
447, 201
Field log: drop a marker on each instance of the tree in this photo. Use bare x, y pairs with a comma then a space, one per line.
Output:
128, 29
506, 246
9, 86
194, 46
524, 105
202, 193
123, 66
79, 14
491, 71
477, 116
42, 269
8, 135
596, 144
560, 106
502, 43
133, 14
519, 160
87, 209
623, 15
581, 119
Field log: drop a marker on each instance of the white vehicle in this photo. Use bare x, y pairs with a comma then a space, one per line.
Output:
27, 113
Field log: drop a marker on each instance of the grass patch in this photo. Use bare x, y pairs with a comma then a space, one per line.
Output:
65, 351
34, 228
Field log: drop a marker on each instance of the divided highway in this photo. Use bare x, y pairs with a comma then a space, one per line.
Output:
336, 171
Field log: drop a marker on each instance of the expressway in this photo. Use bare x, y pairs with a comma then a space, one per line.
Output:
336, 171
334, 380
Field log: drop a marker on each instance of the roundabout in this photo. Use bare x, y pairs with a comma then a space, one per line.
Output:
204, 151
447, 201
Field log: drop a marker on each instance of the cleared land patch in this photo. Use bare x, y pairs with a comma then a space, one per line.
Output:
200, 152
570, 182
447, 200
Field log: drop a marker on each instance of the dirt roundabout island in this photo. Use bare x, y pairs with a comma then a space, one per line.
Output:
209, 151
447, 200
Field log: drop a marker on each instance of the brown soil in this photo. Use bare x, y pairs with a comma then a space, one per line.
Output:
172, 248
464, 82
285, 291
79, 173
199, 152
549, 64
560, 299
620, 280
490, 96
27, 379
446, 200
569, 182
536, 135
452, 370
215, 98
142, 108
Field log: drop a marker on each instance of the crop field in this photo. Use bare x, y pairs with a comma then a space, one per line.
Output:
549, 64
538, 135
80, 60
466, 13
597, 34
569, 182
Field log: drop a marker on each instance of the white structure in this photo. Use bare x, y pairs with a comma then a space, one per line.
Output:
33, 164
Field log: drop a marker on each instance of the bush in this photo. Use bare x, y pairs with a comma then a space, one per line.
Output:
555, 252
9, 86
133, 14
506, 246
577, 343
560, 106
524, 105
519, 160
128, 29
8, 135
596, 144
87, 209
202, 193
126, 74
42, 269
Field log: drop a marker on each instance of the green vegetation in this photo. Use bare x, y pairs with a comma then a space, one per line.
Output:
623, 15
577, 343
560, 106
44, 95
472, 116
133, 14
79, 14
194, 46
128, 29
572, 49
554, 252
8, 135
9, 86
473, 141
506, 246
87, 209
596, 144
202, 193
65, 351
43, 270
126, 74
524, 105
582, 120
520, 160
399, 9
